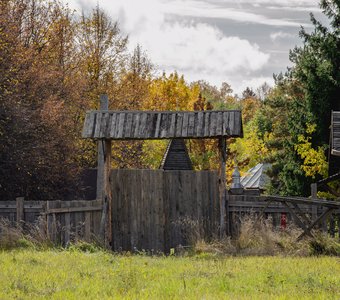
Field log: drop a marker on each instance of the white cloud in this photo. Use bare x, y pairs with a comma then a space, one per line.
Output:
194, 8
254, 83
296, 8
198, 50
175, 40
280, 35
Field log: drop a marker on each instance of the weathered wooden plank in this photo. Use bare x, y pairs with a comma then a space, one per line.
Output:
179, 124
207, 124
158, 125
133, 210
219, 124
20, 210
121, 125
172, 130
231, 123
164, 125
73, 209
113, 125
226, 130
152, 124
128, 125
145, 208
191, 125
160, 213
104, 125
88, 125
199, 124
213, 123
119, 116
98, 124
166, 212
137, 124
185, 125
237, 124
143, 124
67, 224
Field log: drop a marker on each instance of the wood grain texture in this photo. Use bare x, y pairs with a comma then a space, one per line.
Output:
157, 206
125, 125
335, 126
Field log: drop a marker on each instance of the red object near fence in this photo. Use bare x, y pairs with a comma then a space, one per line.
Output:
283, 221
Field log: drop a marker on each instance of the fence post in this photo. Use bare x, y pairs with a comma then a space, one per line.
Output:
20, 210
314, 195
103, 180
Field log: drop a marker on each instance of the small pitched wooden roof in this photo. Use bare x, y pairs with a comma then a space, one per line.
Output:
256, 177
176, 156
124, 125
335, 134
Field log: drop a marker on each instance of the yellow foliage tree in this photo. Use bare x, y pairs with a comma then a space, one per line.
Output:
314, 160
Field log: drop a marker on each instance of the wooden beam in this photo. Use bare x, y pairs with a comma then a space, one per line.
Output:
314, 195
302, 214
73, 209
261, 213
323, 217
296, 217
222, 185
104, 105
20, 210
331, 190
103, 180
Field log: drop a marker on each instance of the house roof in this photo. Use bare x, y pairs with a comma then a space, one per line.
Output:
176, 156
335, 134
124, 125
256, 177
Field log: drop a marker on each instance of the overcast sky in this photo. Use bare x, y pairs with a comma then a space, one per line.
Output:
242, 42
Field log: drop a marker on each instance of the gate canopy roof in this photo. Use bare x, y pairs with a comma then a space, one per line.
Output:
125, 125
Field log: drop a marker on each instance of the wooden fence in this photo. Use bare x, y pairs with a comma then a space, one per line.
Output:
240, 206
62, 221
159, 210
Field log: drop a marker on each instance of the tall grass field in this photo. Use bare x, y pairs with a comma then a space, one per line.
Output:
74, 274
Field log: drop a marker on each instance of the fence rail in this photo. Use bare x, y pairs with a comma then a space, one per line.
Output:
239, 206
62, 221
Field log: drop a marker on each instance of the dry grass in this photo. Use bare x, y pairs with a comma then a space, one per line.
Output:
259, 237
13, 235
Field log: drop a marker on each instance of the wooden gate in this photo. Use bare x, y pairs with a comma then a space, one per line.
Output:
158, 210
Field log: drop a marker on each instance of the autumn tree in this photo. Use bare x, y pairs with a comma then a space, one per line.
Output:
34, 137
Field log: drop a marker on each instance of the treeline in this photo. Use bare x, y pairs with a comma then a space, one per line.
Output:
290, 129
54, 64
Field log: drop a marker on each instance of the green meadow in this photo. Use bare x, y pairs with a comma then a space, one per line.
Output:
67, 274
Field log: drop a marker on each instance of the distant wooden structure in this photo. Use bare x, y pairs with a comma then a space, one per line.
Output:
105, 125
176, 156
333, 158
335, 133
256, 178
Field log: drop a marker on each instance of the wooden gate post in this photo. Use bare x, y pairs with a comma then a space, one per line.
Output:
222, 185
103, 180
